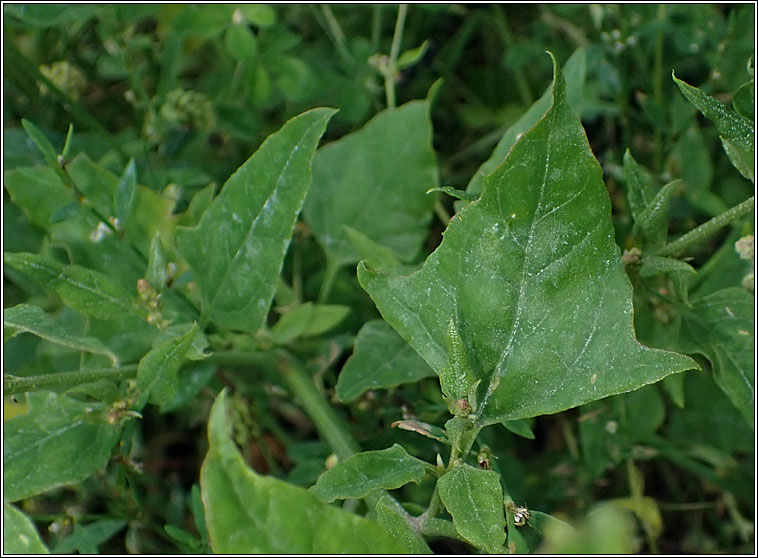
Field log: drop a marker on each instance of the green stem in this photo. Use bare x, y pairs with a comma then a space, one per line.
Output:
391, 70
440, 528
376, 26
706, 229
328, 424
64, 380
330, 274
441, 212
434, 508
337, 35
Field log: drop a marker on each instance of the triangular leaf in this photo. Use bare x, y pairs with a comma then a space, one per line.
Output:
533, 280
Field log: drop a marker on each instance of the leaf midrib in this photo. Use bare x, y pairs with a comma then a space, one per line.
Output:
243, 242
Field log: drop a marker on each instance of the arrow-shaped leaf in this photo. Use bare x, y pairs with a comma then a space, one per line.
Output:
532, 279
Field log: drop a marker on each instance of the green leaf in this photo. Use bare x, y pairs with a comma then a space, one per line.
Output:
123, 198
306, 320
156, 264
380, 359
364, 472
40, 140
200, 343
391, 515
375, 181
575, 70
411, 56
85, 539
90, 292
39, 192
260, 15
743, 100
454, 193
377, 256
538, 247
43, 448
737, 133
251, 514
542, 523
731, 126
474, 499
20, 536
237, 249
157, 373
742, 159
520, 428
240, 41
30, 318
648, 206
721, 327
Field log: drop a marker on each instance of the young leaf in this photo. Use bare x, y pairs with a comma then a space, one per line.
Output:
737, 133
307, 319
474, 499
248, 514
157, 374
90, 292
520, 428
27, 317
123, 198
411, 56
532, 276
43, 448
375, 181
575, 70
156, 264
391, 515
380, 359
237, 249
20, 536
40, 140
721, 327
364, 472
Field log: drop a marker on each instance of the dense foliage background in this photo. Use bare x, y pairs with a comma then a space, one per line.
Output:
189, 92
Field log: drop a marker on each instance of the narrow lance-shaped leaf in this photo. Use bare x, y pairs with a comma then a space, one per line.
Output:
248, 514
237, 249
157, 373
123, 198
533, 279
20, 536
30, 318
380, 359
474, 499
364, 472
43, 448
90, 292
737, 133
375, 181
308, 319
